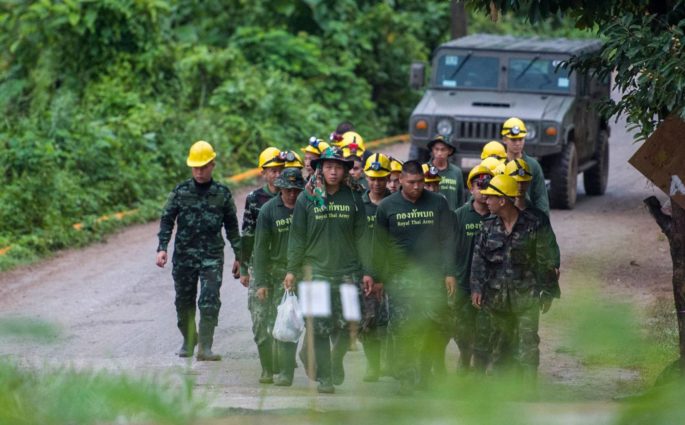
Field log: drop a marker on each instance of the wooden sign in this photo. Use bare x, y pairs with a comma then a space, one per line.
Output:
662, 158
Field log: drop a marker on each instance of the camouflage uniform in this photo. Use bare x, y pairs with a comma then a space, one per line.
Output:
513, 272
260, 312
200, 210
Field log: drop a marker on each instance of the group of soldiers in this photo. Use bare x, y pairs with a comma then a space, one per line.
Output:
432, 263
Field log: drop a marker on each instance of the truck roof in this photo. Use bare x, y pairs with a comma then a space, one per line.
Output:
509, 43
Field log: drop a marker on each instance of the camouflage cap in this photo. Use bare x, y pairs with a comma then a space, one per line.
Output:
332, 154
290, 178
447, 142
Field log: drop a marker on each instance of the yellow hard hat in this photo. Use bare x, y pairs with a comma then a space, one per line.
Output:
293, 160
519, 170
502, 185
494, 164
352, 137
377, 165
395, 165
430, 174
201, 154
514, 128
351, 150
271, 157
315, 146
494, 149
476, 171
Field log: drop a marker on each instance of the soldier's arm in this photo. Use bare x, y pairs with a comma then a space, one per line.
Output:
297, 237
538, 191
361, 228
546, 250
449, 241
380, 259
478, 265
247, 239
460, 189
166, 223
262, 245
231, 224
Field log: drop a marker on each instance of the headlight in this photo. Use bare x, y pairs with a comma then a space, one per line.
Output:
532, 132
444, 127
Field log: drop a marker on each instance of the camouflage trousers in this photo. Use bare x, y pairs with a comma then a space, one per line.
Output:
514, 335
209, 272
419, 325
375, 317
263, 312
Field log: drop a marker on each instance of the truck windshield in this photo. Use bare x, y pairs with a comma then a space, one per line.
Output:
467, 71
537, 74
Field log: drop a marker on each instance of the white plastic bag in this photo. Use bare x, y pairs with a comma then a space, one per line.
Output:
289, 323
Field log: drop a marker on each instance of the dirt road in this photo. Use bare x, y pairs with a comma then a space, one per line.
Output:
115, 307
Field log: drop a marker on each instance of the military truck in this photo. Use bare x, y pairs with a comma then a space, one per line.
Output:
479, 81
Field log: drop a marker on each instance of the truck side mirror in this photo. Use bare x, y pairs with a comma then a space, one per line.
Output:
417, 75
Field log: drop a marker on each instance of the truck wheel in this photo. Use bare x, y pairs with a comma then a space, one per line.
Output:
419, 154
563, 177
595, 178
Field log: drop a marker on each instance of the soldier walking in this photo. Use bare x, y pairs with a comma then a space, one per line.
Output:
325, 236
200, 207
513, 276
417, 269
271, 259
452, 180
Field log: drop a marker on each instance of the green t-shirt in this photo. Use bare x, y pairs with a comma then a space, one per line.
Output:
327, 238
452, 186
468, 223
271, 242
412, 237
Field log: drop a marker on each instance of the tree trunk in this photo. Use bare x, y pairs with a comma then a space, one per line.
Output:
459, 21
673, 227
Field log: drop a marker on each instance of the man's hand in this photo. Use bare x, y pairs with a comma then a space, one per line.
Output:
161, 259
476, 299
450, 285
368, 284
262, 293
236, 269
289, 282
545, 303
245, 280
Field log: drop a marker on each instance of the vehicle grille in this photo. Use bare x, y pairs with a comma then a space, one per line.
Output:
477, 131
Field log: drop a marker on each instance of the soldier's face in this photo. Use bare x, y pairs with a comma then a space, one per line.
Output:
495, 203
357, 170
523, 187
412, 185
308, 157
514, 146
203, 174
393, 182
289, 196
271, 174
333, 172
441, 151
432, 187
377, 185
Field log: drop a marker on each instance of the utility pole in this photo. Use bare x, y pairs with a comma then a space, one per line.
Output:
459, 22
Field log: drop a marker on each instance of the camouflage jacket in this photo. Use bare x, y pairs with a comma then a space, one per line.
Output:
517, 265
253, 203
199, 214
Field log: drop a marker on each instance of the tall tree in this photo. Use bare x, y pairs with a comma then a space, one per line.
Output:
644, 46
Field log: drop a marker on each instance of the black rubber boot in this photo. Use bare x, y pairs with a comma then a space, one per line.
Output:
322, 351
206, 339
286, 362
372, 350
265, 350
342, 344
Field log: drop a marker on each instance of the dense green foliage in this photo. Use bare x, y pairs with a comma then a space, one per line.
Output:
101, 100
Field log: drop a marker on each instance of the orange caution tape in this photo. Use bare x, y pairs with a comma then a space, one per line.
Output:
5, 250
118, 215
245, 175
